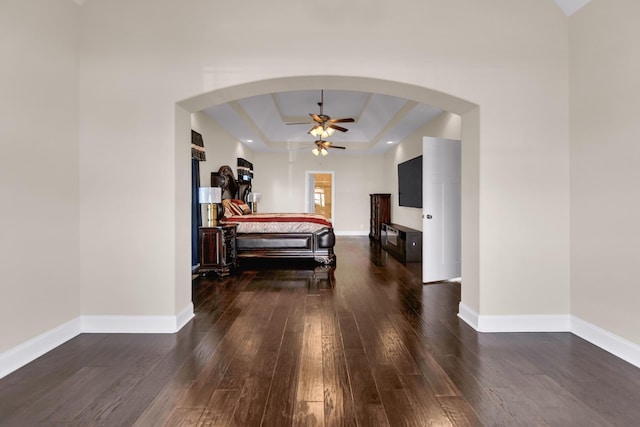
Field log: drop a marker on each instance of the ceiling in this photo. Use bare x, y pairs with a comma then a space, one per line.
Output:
380, 120
569, 7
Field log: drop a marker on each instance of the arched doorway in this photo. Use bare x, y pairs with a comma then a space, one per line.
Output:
470, 159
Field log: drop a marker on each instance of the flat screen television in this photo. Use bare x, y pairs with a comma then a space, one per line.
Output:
410, 183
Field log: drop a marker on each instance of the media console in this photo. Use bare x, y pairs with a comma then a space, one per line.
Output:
402, 242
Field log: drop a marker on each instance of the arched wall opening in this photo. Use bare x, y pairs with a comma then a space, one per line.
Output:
468, 111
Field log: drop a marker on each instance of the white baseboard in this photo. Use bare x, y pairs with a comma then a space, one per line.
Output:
524, 323
469, 316
137, 324
618, 346
624, 349
184, 316
18, 356
351, 233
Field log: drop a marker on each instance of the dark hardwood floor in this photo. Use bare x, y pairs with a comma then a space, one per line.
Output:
361, 344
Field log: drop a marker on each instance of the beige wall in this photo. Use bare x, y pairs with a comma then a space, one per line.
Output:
39, 286
510, 58
280, 177
605, 202
220, 147
446, 125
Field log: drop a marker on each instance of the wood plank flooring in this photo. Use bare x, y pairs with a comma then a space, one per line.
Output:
290, 344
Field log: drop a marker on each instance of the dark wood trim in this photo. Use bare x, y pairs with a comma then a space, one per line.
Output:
380, 213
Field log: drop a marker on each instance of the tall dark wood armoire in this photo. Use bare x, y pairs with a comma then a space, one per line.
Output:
380, 213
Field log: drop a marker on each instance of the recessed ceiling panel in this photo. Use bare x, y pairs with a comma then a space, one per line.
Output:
417, 117
378, 118
229, 119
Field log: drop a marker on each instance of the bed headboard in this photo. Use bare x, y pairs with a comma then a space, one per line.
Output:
231, 188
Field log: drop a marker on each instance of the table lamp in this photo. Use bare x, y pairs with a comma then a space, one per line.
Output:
253, 199
210, 196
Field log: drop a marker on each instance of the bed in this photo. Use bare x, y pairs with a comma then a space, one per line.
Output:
272, 235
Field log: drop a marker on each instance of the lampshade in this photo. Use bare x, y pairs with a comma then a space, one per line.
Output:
319, 151
321, 131
209, 195
317, 130
253, 197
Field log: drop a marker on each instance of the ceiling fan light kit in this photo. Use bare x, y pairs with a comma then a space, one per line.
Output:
321, 131
323, 127
322, 145
320, 151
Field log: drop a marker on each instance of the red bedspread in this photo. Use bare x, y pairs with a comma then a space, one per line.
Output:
280, 217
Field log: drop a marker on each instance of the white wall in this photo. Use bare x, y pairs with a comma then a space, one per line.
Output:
493, 54
280, 177
605, 202
39, 286
221, 149
446, 125
137, 62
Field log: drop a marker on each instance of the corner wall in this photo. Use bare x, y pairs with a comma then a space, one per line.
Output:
605, 203
496, 57
280, 177
446, 125
220, 148
39, 286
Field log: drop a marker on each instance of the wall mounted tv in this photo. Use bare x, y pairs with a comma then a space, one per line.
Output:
410, 183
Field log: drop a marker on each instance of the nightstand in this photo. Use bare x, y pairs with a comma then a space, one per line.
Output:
218, 249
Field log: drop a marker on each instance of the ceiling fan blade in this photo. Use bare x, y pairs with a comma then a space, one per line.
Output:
329, 144
316, 117
300, 123
340, 128
344, 120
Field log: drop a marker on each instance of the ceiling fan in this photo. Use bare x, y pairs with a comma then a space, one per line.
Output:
322, 145
324, 125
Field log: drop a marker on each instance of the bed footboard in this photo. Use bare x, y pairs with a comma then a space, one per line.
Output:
318, 245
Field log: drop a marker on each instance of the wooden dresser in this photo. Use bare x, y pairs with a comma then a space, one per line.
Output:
380, 213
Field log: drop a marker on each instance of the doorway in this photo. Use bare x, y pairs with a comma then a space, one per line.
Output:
319, 193
470, 165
